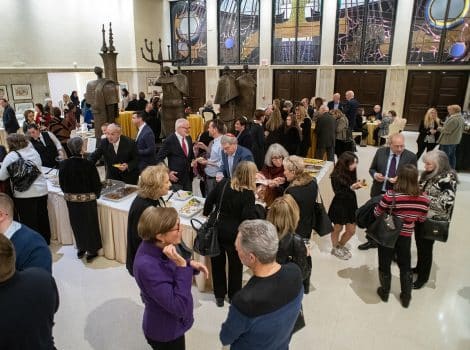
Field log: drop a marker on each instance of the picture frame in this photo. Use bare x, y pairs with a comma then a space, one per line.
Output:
151, 84
3, 91
22, 91
21, 107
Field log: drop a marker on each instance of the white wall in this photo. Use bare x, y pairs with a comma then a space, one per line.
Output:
65, 83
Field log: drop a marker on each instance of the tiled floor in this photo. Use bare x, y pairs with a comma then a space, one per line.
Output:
101, 308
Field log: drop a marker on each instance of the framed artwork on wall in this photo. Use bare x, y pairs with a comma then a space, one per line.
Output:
22, 92
151, 84
21, 107
3, 91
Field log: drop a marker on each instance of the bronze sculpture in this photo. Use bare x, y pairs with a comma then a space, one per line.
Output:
174, 88
226, 97
246, 102
103, 96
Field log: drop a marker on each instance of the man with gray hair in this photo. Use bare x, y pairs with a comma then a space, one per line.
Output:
178, 150
335, 103
263, 313
232, 155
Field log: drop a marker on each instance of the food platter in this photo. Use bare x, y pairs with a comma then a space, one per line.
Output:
191, 208
181, 195
119, 194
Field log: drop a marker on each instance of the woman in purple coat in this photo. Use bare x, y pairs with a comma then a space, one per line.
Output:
164, 278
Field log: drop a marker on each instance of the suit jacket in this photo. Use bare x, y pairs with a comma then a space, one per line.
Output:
146, 148
245, 139
350, 109
126, 153
331, 105
10, 123
379, 165
240, 155
326, 131
177, 160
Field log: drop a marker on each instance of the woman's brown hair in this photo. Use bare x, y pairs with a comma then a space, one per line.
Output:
407, 180
244, 176
156, 220
16, 142
284, 214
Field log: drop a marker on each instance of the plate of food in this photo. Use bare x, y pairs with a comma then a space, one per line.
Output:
119, 194
311, 161
181, 195
191, 208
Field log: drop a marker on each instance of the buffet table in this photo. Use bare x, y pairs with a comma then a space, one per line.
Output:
371, 126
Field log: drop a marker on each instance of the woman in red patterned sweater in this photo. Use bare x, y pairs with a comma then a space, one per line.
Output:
411, 205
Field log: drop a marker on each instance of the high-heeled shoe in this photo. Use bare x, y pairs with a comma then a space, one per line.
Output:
90, 257
80, 254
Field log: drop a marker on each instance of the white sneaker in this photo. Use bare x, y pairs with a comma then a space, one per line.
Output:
346, 252
339, 253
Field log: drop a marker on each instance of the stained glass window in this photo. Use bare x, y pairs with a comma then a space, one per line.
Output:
188, 32
296, 31
238, 32
364, 31
440, 32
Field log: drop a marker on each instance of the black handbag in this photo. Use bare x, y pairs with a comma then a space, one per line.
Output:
321, 221
206, 242
22, 173
386, 228
436, 230
300, 322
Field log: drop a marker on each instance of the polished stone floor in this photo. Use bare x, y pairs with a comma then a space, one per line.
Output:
101, 308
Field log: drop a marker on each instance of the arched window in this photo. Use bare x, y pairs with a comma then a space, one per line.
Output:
364, 31
296, 31
440, 32
238, 31
189, 32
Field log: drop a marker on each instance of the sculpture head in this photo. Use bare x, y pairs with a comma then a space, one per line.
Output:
99, 72
245, 68
166, 70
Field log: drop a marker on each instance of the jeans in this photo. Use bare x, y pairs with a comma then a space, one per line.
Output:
450, 151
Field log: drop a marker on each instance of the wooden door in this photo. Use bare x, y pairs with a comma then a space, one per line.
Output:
368, 86
438, 89
294, 84
197, 88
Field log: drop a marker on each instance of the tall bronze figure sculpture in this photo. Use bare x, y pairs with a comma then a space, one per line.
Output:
246, 102
103, 93
174, 87
226, 97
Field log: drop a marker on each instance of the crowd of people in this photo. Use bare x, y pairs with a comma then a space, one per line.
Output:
252, 174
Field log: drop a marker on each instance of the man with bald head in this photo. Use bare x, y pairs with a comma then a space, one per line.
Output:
178, 150
120, 155
384, 169
350, 109
335, 103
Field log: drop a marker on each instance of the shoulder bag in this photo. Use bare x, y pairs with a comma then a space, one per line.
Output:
321, 221
386, 228
206, 242
22, 173
435, 230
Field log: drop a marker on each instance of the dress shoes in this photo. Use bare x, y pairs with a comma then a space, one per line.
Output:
80, 254
367, 245
219, 302
91, 257
418, 284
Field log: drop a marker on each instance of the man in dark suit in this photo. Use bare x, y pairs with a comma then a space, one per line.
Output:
384, 168
232, 154
350, 109
178, 149
152, 118
145, 141
120, 156
141, 102
133, 104
10, 123
335, 103
326, 134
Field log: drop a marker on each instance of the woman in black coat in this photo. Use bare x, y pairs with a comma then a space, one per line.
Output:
243, 135
80, 182
304, 189
257, 134
154, 183
428, 132
290, 138
305, 124
235, 199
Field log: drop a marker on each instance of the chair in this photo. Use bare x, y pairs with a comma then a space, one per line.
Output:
392, 129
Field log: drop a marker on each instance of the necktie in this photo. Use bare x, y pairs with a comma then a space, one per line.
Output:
183, 145
392, 171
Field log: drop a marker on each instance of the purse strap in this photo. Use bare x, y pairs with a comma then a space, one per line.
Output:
393, 204
220, 201
19, 155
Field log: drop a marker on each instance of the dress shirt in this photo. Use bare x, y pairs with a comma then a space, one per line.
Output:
335, 105
180, 139
14, 226
388, 166
230, 163
215, 158
116, 145
140, 130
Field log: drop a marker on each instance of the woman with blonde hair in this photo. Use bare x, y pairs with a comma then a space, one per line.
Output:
235, 199
164, 277
305, 124
284, 215
153, 184
428, 132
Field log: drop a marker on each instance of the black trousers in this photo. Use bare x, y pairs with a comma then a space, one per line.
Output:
403, 252
32, 212
235, 270
424, 146
177, 344
424, 248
